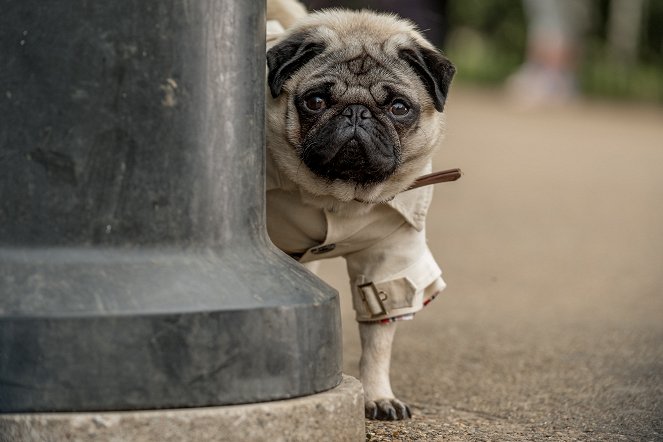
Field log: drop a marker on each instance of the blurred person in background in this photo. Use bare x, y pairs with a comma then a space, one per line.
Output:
556, 31
554, 44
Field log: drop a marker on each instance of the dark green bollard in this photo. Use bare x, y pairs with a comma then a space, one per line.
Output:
135, 271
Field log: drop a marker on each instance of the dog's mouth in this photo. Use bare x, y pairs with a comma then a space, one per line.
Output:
353, 154
353, 162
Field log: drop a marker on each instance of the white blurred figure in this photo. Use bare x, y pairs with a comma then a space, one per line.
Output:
554, 44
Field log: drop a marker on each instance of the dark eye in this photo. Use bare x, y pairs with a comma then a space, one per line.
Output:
399, 108
315, 103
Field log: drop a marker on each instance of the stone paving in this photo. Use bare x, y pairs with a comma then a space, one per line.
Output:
552, 246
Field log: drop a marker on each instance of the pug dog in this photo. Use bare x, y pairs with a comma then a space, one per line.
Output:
355, 105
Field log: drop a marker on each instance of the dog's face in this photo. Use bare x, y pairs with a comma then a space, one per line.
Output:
357, 101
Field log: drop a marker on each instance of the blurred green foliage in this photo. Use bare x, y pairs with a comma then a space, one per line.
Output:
487, 42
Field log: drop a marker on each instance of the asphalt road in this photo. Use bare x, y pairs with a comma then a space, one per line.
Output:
551, 327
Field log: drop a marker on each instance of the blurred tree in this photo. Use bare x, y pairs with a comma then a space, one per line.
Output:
501, 21
624, 29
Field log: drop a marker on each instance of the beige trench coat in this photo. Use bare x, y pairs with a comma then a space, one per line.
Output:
392, 271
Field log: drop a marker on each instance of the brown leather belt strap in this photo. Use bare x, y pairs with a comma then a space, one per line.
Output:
436, 177
432, 178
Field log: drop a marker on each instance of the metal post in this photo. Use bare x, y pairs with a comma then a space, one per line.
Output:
135, 271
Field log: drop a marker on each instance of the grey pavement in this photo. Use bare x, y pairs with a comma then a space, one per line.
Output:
336, 415
551, 327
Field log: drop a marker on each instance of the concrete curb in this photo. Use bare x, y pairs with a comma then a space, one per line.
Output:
337, 414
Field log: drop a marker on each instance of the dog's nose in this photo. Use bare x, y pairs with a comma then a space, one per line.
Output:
357, 112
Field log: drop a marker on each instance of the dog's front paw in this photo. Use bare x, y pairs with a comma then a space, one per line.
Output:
387, 410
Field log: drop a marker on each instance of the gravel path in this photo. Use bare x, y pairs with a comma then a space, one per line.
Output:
552, 246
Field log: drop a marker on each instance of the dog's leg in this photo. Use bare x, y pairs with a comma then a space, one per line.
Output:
380, 403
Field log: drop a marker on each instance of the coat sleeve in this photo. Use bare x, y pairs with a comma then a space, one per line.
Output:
395, 277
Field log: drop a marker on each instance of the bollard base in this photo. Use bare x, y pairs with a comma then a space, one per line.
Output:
336, 414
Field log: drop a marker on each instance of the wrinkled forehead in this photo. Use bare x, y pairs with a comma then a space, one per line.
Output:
358, 38
361, 66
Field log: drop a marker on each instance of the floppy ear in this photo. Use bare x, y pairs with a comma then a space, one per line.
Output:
287, 57
434, 69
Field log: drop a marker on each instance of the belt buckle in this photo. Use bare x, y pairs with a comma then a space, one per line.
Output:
376, 307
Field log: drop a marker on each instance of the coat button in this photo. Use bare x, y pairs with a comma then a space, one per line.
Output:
323, 249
